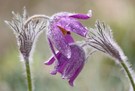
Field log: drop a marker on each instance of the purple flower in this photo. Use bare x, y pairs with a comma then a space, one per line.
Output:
59, 28
69, 68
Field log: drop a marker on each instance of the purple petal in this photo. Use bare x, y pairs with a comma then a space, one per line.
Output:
59, 41
54, 72
62, 67
51, 46
71, 81
80, 16
52, 59
62, 63
70, 68
69, 38
73, 25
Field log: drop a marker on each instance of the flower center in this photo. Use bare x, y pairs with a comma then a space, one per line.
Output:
64, 31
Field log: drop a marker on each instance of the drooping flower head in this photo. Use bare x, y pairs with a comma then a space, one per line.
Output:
59, 28
69, 68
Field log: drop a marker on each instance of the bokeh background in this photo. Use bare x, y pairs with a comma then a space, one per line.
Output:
100, 72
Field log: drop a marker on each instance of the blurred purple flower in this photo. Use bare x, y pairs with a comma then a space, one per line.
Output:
59, 28
69, 68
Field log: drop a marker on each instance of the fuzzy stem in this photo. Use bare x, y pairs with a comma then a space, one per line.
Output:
35, 17
28, 73
129, 74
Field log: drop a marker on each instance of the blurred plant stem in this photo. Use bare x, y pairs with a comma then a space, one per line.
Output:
129, 74
28, 73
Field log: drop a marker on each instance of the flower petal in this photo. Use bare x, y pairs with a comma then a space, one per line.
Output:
76, 61
73, 25
51, 46
82, 16
54, 72
62, 67
52, 59
71, 81
59, 41
69, 68
69, 38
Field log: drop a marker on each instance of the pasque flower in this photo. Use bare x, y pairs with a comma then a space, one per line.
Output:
70, 57
59, 28
69, 68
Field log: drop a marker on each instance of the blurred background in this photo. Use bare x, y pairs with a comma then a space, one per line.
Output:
99, 74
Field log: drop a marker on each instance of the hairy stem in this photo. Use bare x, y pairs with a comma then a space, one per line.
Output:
129, 74
35, 17
28, 74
